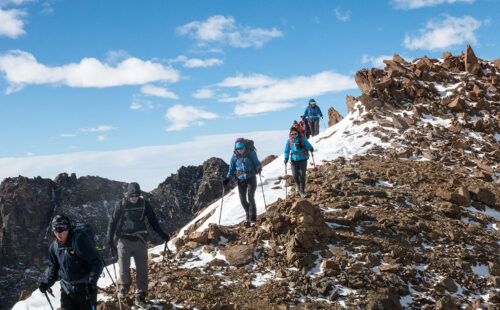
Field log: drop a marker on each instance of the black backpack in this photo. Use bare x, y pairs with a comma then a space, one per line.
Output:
250, 147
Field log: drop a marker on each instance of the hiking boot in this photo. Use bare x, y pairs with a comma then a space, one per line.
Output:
253, 223
303, 195
297, 189
140, 301
122, 294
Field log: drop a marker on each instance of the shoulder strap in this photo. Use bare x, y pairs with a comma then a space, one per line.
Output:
143, 205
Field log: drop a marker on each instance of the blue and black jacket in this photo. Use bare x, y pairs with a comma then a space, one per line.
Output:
298, 151
75, 271
312, 113
246, 166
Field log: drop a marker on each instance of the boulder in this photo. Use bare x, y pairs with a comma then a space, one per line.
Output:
484, 195
471, 62
238, 255
333, 117
447, 302
370, 102
350, 102
383, 298
457, 105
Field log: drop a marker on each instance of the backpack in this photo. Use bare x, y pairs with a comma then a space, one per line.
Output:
301, 142
123, 204
79, 229
250, 147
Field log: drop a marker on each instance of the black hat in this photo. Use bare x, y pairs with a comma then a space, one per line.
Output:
133, 189
61, 223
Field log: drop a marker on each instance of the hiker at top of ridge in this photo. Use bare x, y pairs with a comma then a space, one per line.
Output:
304, 125
128, 231
312, 114
298, 147
74, 260
245, 164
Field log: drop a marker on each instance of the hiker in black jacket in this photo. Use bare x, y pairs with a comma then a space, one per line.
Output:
128, 231
74, 260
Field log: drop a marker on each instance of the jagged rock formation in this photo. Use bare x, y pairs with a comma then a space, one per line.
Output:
333, 117
28, 205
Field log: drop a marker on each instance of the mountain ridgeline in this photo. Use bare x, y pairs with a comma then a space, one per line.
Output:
27, 206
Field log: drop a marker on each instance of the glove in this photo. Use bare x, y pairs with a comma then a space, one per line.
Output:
165, 237
311, 150
286, 161
111, 244
259, 170
43, 287
225, 182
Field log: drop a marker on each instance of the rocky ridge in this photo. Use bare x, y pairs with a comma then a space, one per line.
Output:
28, 205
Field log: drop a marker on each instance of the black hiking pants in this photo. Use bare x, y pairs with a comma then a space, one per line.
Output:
299, 169
78, 301
248, 187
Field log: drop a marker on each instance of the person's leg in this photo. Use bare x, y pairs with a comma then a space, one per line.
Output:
124, 254
140, 254
302, 175
311, 127
316, 127
84, 301
295, 174
67, 302
252, 187
242, 190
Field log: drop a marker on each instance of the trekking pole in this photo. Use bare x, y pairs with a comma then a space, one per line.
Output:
116, 283
315, 169
161, 269
262, 186
221, 202
104, 264
286, 183
47, 296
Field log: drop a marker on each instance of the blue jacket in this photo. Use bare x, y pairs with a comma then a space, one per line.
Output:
298, 153
66, 265
244, 165
313, 114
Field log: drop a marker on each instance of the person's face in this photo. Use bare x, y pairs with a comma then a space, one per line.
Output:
294, 134
134, 198
241, 151
62, 236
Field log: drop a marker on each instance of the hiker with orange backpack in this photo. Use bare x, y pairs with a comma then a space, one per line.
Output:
245, 165
304, 125
297, 148
312, 114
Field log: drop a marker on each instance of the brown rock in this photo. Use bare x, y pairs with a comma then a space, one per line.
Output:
496, 63
471, 62
484, 195
449, 284
494, 297
330, 264
238, 255
457, 105
370, 102
389, 268
494, 269
446, 55
267, 160
350, 102
463, 196
24, 295
399, 59
399, 122
199, 237
333, 117
447, 302
383, 298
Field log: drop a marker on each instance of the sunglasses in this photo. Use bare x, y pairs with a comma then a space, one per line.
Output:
294, 134
135, 196
60, 229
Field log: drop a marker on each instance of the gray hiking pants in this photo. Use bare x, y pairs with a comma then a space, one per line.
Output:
299, 170
139, 251
314, 126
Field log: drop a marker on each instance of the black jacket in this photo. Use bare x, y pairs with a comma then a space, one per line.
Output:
66, 264
133, 220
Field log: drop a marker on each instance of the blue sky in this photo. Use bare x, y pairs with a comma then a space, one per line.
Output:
95, 76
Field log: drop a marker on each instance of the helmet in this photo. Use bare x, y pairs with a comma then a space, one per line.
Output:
61, 223
239, 145
312, 101
133, 189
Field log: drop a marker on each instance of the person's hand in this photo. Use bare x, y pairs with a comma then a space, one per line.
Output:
43, 287
165, 238
286, 161
311, 150
111, 244
92, 288
225, 182
259, 170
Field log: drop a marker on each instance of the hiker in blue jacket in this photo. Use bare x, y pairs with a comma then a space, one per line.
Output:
298, 147
312, 114
245, 164
75, 262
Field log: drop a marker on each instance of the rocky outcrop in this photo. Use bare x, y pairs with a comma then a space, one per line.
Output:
333, 117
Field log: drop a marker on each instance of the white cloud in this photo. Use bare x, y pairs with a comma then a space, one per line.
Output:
98, 128
417, 4
68, 135
21, 68
151, 90
342, 16
11, 23
375, 61
146, 165
197, 63
248, 109
297, 87
13, 2
139, 103
184, 116
224, 30
443, 34
203, 93
245, 82
101, 138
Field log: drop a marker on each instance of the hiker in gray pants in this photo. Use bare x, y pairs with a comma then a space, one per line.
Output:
127, 229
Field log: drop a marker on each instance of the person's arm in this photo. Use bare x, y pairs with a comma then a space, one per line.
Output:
153, 220
113, 221
89, 254
256, 160
232, 167
53, 270
306, 113
319, 111
287, 149
308, 145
